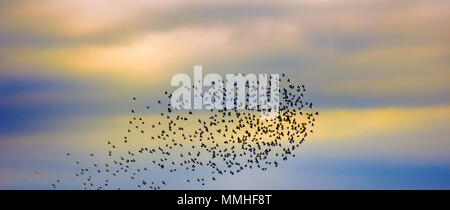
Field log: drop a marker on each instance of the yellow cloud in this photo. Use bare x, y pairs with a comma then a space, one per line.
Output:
152, 56
391, 55
341, 124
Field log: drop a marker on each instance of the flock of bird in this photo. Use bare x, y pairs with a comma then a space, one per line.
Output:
215, 142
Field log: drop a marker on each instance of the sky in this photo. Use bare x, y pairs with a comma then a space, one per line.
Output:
376, 70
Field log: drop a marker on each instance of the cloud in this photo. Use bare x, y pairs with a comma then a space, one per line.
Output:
346, 144
395, 135
347, 40
154, 54
338, 124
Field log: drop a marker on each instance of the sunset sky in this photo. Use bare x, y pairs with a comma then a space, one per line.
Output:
377, 71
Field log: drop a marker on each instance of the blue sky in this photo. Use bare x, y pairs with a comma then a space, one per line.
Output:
377, 71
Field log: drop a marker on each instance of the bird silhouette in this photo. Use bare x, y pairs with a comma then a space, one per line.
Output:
219, 142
